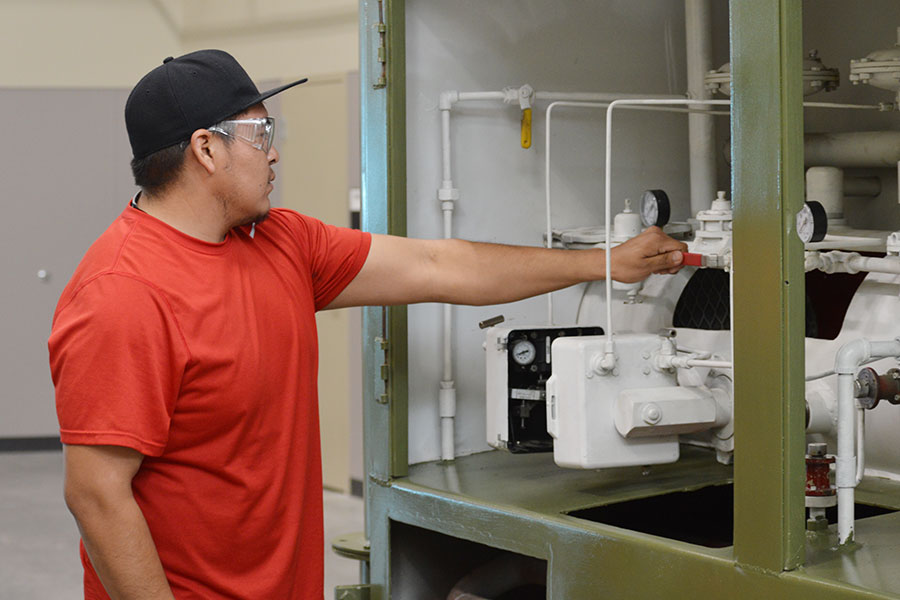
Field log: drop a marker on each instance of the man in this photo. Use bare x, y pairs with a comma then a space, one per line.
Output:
183, 349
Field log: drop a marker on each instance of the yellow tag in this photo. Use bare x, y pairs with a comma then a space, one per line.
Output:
526, 128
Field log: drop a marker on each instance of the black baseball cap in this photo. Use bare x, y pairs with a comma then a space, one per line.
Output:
187, 93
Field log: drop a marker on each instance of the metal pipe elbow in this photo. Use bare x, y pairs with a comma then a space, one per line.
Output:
851, 355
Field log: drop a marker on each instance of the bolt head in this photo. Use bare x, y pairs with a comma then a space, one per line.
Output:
651, 414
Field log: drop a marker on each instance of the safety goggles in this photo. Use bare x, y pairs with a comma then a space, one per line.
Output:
259, 133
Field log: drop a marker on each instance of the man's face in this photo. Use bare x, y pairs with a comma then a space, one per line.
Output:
247, 177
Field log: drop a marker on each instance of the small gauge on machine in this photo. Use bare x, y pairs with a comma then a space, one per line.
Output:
523, 352
812, 222
655, 208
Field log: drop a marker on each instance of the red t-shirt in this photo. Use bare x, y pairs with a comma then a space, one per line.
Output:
203, 357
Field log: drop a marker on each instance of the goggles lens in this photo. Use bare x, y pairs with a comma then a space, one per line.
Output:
259, 133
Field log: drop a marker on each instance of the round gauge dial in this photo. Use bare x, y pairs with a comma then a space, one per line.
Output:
523, 352
655, 208
812, 222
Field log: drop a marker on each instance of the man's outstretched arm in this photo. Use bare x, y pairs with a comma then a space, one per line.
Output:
405, 271
113, 528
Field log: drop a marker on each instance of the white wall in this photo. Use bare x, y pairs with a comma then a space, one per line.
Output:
111, 43
609, 45
81, 43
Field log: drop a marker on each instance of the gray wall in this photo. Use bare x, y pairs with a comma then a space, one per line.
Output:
66, 176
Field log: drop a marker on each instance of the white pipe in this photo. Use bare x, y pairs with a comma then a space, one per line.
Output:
846, 362
628, 103
470, 96
862, 187
548, 118
712, 364
701, 128
510, 95
596, 97
860, 443
842, 105
447, 195
445, 149
852, 149
874, 264
837, 261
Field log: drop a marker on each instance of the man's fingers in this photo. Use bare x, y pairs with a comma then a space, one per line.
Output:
660, 243
667, 244
669, 262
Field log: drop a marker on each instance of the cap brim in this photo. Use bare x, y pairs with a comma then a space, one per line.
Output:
272, 92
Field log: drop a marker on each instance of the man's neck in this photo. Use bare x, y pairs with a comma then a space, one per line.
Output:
173, 209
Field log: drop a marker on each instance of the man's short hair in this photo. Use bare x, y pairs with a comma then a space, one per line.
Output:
157, 171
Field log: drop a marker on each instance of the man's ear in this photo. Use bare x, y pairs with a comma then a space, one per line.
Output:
204, 149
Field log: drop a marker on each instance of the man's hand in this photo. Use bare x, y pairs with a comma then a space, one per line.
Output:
650, 252
113, 528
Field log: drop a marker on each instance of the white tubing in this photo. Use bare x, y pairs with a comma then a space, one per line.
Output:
860, 443
846, 362
874, 264
547, 178
608, 177
852, 149
837, 261
445, 149
447, 196
594, 97
712, 364
701, 128
862, 187
475, 96
842, 105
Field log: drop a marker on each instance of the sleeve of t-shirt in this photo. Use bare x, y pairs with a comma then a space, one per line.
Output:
335, 255
117, 358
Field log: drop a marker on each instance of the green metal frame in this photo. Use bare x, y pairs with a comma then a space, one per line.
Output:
767, 185
772, 556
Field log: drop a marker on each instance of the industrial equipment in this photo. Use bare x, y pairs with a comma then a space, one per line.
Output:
732, 425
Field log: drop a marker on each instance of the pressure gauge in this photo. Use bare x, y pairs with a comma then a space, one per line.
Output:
812, 222
654, 208
523, 352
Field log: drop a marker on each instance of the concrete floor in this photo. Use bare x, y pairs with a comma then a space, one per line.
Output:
39, 540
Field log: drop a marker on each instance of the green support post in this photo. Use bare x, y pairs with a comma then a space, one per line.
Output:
767, 171
383, 156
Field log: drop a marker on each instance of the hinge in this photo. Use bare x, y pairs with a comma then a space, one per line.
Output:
381, 52
386, 483
385, 370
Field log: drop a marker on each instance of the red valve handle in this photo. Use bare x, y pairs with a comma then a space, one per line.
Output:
692, 259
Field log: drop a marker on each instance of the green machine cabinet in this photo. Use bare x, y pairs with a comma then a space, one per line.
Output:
428, 524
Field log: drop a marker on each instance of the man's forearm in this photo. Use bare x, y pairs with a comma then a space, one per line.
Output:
478, 273
121, 549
